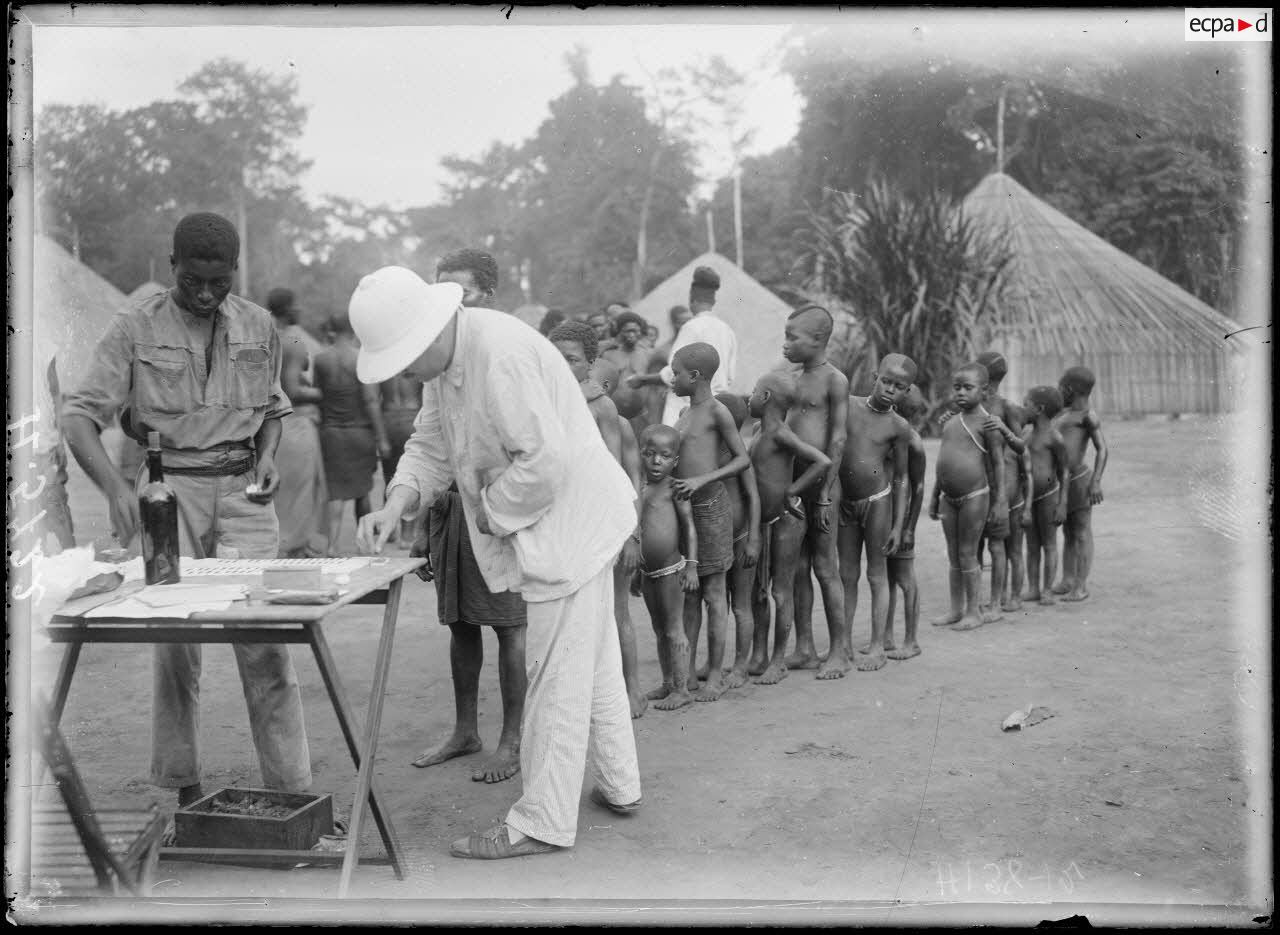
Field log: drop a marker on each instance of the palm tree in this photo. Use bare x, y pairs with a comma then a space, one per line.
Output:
914, 276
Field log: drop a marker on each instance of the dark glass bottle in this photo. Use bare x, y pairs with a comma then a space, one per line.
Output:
158, 505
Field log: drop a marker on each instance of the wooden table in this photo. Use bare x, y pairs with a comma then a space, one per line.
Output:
248, 621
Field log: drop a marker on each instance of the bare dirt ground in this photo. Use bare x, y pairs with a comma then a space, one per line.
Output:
896, 785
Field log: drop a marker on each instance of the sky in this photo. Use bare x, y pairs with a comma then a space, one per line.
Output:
391, 91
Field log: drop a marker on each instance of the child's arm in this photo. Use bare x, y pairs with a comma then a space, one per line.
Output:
901, 495
915, 476
739, 462
1094, 427
1059, 449
371, 397
837, 433
752, 494
818, 461
684, 512
1011, 437
1024, 464
935, 498
999, 508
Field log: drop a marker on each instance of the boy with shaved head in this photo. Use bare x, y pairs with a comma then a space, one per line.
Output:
704, 427
1079, 426
818, 417
901, 564
874, 499
774, 451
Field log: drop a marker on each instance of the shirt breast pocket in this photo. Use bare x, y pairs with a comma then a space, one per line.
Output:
250, 375
163, 379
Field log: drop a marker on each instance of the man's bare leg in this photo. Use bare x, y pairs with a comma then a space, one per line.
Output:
806, 654
741, 580
949, 517
670, 602
627, 640
1084, 554
876, 534
466, 656
717, 603
512, 680
826, 565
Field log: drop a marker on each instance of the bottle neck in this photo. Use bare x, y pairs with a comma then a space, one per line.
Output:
153, 466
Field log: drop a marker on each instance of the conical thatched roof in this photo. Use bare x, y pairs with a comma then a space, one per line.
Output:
1070, 292
146, 290
756, 315
71, 308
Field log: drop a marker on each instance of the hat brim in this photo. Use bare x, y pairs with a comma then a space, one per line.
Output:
379, 366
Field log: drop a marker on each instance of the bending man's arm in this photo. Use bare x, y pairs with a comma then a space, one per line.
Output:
531, 431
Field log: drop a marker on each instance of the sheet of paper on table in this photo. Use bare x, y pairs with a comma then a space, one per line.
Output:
204, 567
171, 600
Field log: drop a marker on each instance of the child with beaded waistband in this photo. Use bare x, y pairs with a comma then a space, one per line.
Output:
873, 497
968, 492
1079, 426
666, 574
901, 563
1048, 490
704, 427
1007, 418
774, 451
744, 504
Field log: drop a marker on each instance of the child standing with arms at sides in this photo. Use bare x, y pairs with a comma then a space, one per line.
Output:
870, 518
901, 564
703, 428
1007, 418
605, 373
774, 452
667, 577
818, 418
968, 493
1079, 425
744, 501
1047, 507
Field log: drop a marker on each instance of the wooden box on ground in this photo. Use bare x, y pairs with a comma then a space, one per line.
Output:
275, 820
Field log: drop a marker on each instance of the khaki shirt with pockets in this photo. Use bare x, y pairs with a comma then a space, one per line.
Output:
151, 363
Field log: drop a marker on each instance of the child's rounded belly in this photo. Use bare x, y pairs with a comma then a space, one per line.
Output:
859, 480
961, 476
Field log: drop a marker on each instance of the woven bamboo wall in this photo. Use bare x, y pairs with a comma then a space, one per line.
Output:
1137, 383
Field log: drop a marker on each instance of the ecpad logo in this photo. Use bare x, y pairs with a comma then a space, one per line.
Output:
1216, 24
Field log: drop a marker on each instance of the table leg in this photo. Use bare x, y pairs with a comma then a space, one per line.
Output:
62, 685
373, 722
346, 722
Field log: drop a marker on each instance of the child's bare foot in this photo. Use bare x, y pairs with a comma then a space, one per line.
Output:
989, 613
692, 684
639, 701
504, 764
757, 666
799, 660
703, 671
970, 622
834, 666
869, 662
906, 652
1031, 597
712, 690
773, 674
1062, 587
673, 700
946, 619
1048, 599
1076, 594
889, 643
1011, 604
735, 677
455, 746
657, 694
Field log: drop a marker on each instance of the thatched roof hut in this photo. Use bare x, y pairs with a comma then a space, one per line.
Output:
756, 315
1073, 298
71, 308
